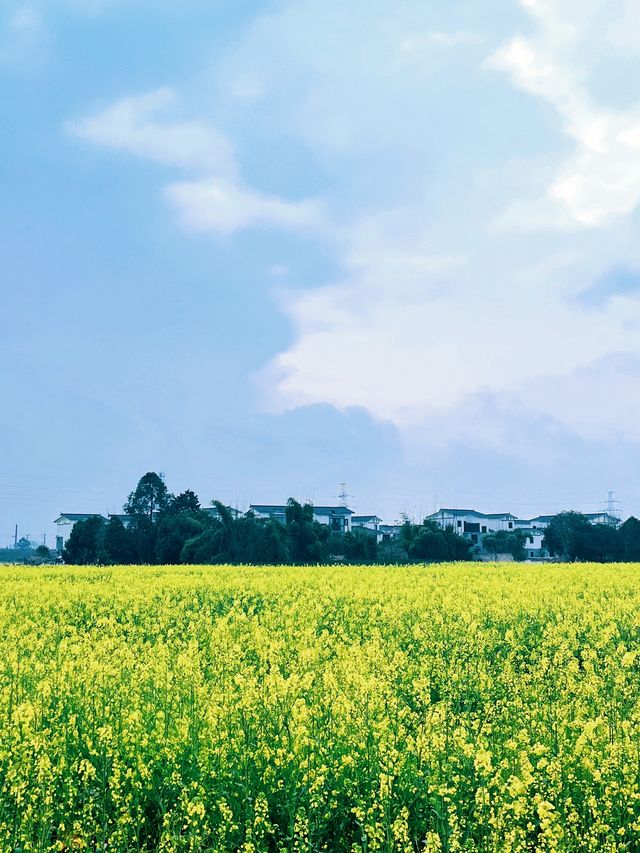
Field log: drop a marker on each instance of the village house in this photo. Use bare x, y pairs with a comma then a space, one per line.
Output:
338, 518
65, 524
474, 526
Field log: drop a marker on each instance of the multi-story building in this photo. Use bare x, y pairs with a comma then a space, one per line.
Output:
474, 526
338, 518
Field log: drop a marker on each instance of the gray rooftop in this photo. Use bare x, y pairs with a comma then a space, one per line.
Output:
78, 516
317, 510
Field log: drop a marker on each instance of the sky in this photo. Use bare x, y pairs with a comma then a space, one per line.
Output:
268, 247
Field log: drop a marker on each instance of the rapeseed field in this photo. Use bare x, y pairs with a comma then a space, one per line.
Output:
460, 707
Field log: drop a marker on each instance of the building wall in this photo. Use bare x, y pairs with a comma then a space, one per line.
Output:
338, 523
63, 531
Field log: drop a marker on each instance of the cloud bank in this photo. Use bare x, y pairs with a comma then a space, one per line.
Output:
479, 176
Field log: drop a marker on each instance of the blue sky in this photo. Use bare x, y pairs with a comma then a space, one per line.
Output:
265, 247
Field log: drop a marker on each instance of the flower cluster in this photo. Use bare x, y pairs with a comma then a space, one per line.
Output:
451, 708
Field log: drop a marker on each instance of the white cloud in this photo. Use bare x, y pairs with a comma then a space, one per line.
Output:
217, 201
435, 307
600, 180
132, 125
412, 357
223, 207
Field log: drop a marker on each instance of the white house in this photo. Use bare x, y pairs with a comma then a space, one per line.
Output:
66, 522
389, 531
338, 518
370, 523
473, 525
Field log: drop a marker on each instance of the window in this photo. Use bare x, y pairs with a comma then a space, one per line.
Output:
511, 525
484, 528
459, 524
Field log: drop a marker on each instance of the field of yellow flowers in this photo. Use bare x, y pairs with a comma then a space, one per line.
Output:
462, 707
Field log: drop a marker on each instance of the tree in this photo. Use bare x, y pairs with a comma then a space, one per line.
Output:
306, 537
186, 501
204, 548
392, 552
458, 546
506, 542
273, 548
23, 544
43, 552
118, 544
85, 541
430, 543
629, 537
563, 533
173, 531
148, 497
360, 545
599, 543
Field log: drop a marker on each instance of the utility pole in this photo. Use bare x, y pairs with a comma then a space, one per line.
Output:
15, 537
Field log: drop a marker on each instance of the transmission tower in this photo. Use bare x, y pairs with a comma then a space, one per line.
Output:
612, 506
343, 495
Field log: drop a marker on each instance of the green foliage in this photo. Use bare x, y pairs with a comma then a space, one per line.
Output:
149, 496
43, 552
185, 502
630, 540
173, 530
570, 536
506, 542
360, 546
428, 542
563, 533
118, 545
85, 542
599, 543
307, 537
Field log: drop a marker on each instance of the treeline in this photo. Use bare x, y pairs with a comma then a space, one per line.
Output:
163, 528
570, 536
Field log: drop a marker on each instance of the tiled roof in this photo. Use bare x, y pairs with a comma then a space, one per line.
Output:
459, 512
78, 516
317, 510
